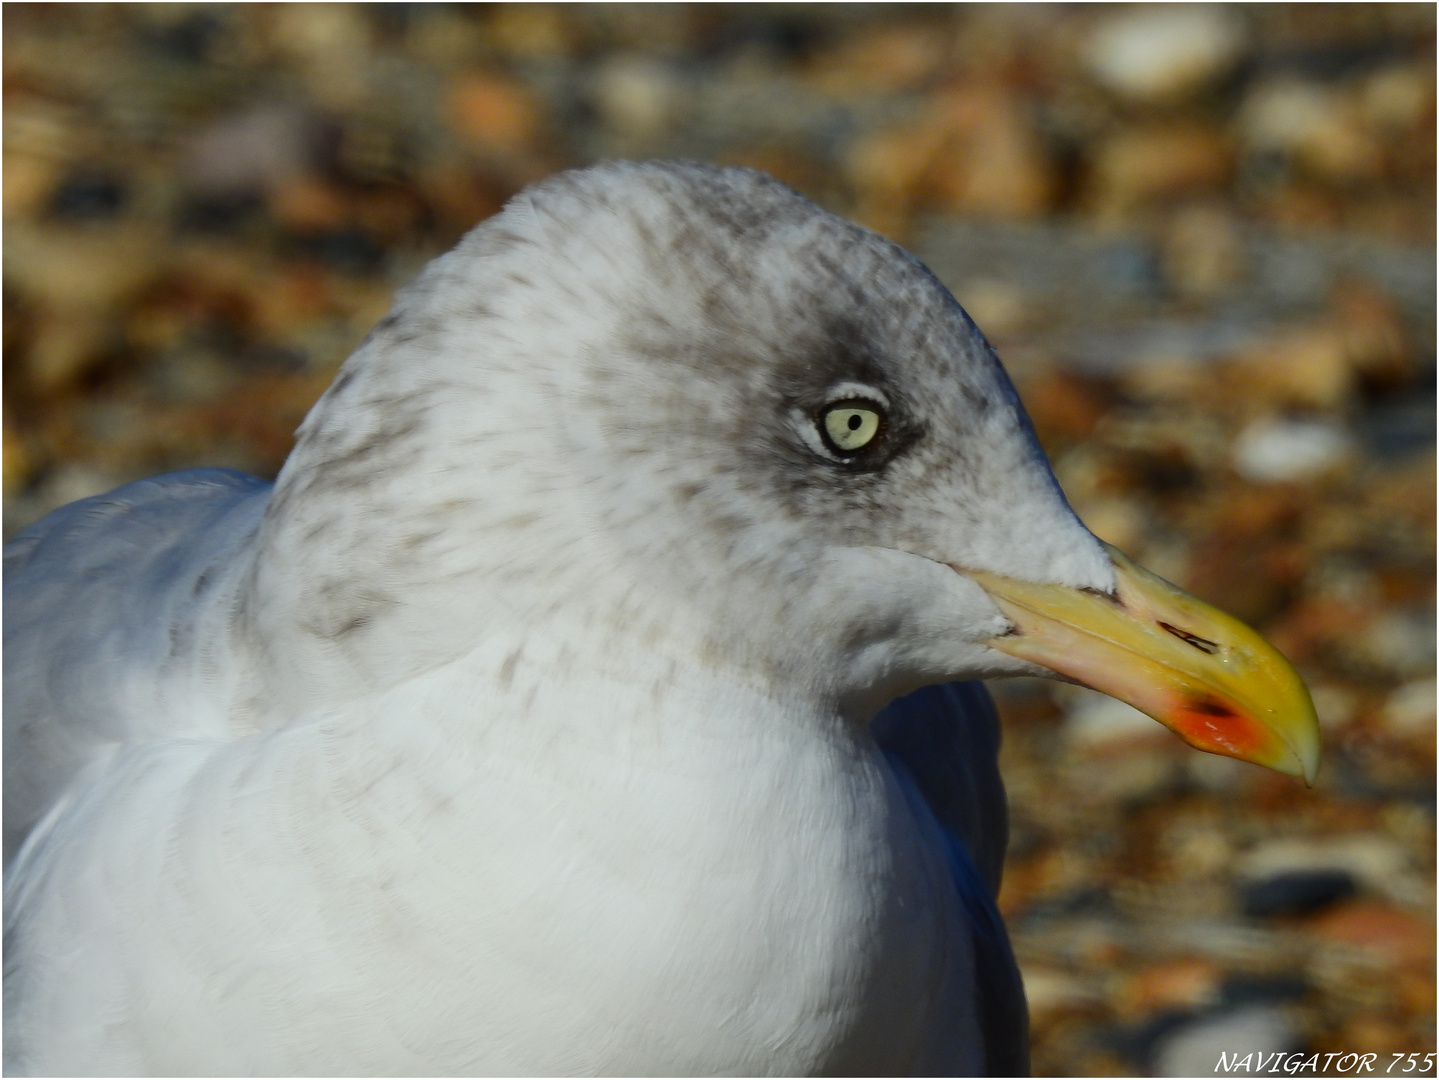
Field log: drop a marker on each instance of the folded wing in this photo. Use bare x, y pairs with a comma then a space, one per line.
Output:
114, 612
943, 742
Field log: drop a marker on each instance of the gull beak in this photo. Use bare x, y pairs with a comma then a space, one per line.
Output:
1207, 677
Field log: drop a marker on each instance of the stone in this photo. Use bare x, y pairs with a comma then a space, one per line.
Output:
1000, 307
1278, 450
1052, 992
1194, 1048
1202, 252
886, 167
1093, 720
1376, 344
64, 346
1138, 754
990, 162
1295, 892
1164, 53
1371, 859
883, 59
495, 113
1321, 129
639, 97
534, 31
1409, 710
307, 203
89, 194
1143, 164
1064, 407
28, 181
1216, 775
1336, 706
1397, 96
1116, 521
1378, 1034
17, 460
248, 152
331, 45
1185, 982
1172, 378
1386, 932
1398, 643
72, 269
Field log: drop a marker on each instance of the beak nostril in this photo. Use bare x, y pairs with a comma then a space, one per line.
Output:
1204, 645
1238, 697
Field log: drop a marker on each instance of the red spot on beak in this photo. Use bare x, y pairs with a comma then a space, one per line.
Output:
1209, 723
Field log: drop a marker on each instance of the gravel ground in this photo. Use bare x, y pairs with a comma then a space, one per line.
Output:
1201, 237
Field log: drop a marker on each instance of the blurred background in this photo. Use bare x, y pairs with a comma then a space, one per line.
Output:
1201, 238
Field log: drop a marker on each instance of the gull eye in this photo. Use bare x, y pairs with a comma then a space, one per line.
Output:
847, 427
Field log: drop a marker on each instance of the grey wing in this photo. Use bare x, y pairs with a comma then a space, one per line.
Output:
107, 604
944, 741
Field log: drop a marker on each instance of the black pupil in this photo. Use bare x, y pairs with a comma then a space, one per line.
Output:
854, 422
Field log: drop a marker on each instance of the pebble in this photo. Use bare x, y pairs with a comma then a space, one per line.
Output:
1203, 252
1218, 775
1317, 126
494, 113
28, 181
1000, 307
1295, 892
1183, 983
639, 97
1376, 344
1052, 992
882, 60
1410, 709
331, 44
1379, 1034
1370, 859
1194, 1048
1063, 404
17, 461
64, 346
1138, 754
1276, 450
1164, 53
88, 195
1395, 97
1143, 164
75, 269
1386, 932
1304, 367
533, 31
248, 152
990, 162
1094, 720
1116, 521
1335, 706
1397, 644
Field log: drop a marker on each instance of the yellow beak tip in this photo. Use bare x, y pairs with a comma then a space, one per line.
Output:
1213, 681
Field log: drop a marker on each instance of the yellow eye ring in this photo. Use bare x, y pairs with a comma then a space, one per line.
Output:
848, 427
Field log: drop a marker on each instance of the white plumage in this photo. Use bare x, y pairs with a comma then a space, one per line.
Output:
524, 726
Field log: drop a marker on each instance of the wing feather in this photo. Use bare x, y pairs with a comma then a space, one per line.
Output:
111, 608
944, 741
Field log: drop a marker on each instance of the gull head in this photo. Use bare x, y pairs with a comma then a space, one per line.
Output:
684, 410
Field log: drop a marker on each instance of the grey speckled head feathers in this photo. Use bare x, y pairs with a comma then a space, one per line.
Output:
620, 378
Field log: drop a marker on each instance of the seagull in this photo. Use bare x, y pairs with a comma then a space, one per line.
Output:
591, 693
